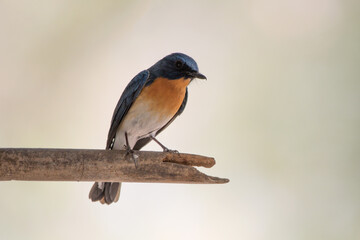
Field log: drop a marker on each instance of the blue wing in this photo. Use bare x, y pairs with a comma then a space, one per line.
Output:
128, 97
142, 142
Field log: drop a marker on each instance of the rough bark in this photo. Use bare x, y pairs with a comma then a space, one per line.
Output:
103, 165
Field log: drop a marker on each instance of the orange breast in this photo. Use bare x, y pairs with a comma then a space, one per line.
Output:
165, 96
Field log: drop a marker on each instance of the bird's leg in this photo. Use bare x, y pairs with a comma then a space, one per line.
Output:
130, 151
165, 149
128, 148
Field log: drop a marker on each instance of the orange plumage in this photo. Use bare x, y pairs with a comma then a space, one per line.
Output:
164, 96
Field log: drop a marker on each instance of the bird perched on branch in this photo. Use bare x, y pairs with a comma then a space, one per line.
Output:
149, 103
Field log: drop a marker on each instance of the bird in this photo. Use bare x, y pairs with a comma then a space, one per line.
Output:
150, 102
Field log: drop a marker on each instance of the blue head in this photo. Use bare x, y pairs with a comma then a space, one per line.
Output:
175, 66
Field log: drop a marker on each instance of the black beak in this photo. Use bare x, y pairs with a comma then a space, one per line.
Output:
197, 75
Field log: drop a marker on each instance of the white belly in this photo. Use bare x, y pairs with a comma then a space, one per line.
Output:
140, 122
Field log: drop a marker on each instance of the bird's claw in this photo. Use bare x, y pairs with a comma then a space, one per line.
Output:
133, 156
129, 151
171, 151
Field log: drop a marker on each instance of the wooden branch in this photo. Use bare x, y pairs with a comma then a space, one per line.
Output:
103, 165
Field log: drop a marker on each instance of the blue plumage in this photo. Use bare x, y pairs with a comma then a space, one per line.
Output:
129, 95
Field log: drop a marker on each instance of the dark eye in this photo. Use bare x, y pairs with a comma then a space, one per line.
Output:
179, 64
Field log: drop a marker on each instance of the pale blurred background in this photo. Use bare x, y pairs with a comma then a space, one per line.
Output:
280, 112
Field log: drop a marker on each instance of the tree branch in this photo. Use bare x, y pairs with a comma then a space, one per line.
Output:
103, 165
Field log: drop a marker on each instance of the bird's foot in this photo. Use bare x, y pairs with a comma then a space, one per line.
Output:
165, 149
128, 150
170, 150
130, 153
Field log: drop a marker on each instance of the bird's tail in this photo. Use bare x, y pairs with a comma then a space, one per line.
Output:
105, 192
